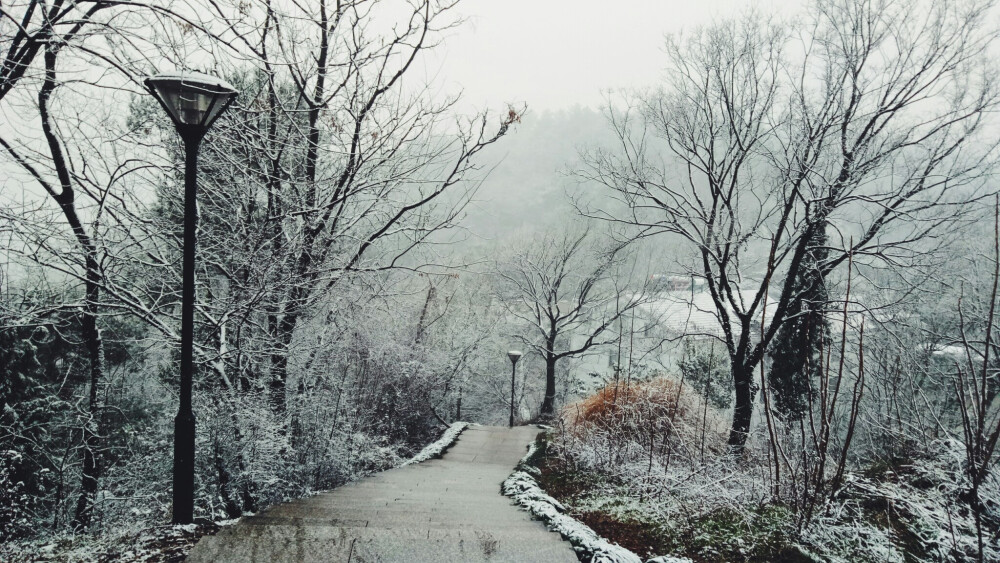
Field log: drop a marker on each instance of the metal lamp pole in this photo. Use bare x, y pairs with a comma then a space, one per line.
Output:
193, 100
514, 356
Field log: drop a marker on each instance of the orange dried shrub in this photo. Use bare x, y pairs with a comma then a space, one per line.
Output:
619, 405
660, 411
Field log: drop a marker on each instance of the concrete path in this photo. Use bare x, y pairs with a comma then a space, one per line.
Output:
447, 509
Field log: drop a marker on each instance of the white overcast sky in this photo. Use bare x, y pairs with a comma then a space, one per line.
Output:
554, 54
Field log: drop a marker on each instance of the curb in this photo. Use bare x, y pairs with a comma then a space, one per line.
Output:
436, 449
589, 547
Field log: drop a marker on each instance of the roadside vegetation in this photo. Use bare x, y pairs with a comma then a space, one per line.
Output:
651, 491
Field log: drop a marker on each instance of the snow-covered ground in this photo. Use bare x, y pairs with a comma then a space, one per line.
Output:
133, 545
914, 510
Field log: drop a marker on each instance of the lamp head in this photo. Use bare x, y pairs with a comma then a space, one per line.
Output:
514, 356
192, 99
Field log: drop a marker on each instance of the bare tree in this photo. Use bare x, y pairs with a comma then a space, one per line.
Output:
869, 135
980, 421
570, 292
29, 27
357, 167
63, 192
336, 162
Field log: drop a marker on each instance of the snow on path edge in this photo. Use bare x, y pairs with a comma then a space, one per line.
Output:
436, 449
523, 488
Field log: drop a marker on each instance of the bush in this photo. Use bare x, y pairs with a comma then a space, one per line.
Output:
660, 416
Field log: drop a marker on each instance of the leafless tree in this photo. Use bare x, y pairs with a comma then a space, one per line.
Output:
64, 192
980, 422
569, 291
864, 125
335, 163
30, 27
355, 166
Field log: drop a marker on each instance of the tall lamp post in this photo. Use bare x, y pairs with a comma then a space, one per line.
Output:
193, 100
514, 356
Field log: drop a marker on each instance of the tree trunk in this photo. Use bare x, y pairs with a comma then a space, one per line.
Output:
743, 408
303, 269
92, 287
548, 404
294, 306
92, 427
279, 363
225, 479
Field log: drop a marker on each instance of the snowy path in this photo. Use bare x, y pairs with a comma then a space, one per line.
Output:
447, 509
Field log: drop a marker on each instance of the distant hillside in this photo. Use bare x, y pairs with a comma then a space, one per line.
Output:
528, 186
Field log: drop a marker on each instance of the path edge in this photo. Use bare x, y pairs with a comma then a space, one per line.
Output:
590, 547
437, 448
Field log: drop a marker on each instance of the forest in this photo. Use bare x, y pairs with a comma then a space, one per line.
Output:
756, 298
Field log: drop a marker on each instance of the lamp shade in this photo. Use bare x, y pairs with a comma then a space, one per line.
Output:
514, 356
192, 99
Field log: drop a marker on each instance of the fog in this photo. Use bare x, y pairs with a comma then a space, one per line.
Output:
557, 54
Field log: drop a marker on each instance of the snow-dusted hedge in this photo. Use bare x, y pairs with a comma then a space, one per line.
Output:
437, 448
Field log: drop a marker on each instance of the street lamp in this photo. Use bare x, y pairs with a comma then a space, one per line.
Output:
193, 100
514, 356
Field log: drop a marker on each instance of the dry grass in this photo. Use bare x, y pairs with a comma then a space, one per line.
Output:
659, 413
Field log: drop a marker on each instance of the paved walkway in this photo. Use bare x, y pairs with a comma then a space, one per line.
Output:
447, 509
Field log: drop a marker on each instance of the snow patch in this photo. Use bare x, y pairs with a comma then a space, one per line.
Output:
435, 449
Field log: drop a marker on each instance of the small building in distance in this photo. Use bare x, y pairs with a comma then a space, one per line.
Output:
664, 283
678, 317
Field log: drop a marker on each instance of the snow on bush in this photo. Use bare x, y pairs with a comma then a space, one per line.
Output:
437, 448
924, 500
623, 419
134, 543
909, 512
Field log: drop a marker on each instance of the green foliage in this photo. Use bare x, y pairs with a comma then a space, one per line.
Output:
797, 348
760, 534
707, 371
18, 506
45, 378
122, 340
538, 456
33, 430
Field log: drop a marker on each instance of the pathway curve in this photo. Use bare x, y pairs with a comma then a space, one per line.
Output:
447, 509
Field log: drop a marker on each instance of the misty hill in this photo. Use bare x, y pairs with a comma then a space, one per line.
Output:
528, 186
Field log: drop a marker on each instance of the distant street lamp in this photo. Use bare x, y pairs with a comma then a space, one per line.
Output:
514, 356
193, 100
